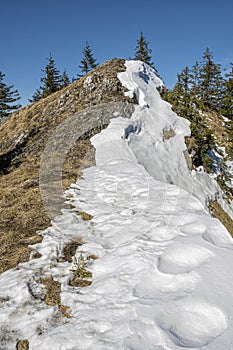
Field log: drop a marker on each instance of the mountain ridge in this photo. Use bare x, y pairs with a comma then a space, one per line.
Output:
23, 138
152, 268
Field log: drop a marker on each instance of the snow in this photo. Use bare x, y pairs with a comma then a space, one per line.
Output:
182, 258
193, 324
163, 278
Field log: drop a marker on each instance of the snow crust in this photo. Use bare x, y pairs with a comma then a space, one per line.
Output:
163, 278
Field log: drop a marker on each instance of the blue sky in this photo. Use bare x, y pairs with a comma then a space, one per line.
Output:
178, 33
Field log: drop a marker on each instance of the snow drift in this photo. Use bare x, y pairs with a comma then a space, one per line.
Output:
163, 276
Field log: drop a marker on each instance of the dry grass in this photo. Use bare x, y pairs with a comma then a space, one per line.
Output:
168, 134
22, 345
215, 123
220, 214
85, 216
52, 296
92, 257
23, 138
70, 249
79, 282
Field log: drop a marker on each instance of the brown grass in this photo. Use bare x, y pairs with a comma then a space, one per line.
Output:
220, 214
52, 296
70, 248
23, 138
168, 134
79, 282
85, 216
22, 345
215, 123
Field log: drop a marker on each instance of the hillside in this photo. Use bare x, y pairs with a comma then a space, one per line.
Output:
23, 138
131, 257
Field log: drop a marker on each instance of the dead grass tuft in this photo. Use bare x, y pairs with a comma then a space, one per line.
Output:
52, 296
85, 216
22, 345
168, 134
79, 282
70, 248
220, 214
92, 257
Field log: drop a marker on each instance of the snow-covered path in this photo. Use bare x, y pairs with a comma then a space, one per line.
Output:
163, 278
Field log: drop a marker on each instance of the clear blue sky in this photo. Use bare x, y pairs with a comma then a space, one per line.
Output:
178, 33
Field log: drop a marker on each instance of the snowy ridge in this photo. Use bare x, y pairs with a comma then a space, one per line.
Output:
163, 278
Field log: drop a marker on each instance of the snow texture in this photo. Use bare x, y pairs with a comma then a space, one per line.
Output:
163, 278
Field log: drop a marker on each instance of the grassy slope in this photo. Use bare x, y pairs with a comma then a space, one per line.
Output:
23, 138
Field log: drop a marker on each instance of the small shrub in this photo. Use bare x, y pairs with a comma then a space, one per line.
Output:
80, 272
80, 268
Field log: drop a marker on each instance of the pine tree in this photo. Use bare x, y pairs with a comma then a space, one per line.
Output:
195, 82
36, 96
8, 97
180, 96
52, 79
227, 108
65, 81
183, 102
88, 62
143, 53
210, 81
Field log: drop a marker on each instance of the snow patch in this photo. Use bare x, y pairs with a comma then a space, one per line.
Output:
179, 258
193, 324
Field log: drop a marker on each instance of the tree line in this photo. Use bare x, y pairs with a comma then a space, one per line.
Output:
203, 88
52, 80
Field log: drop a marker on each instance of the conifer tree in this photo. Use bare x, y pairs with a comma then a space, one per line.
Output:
52, 79
210, 81
142, 51
195, 82
65, 81
180, 96
36, 96
8, 97
227, 108
88, 62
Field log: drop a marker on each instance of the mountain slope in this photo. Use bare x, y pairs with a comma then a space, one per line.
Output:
156, 265
24, 136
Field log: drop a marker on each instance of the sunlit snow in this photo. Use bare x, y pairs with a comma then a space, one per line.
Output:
163, 278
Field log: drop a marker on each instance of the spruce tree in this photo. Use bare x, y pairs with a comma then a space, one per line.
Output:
143, 53
88, 62
36, 96
180, 96
8, 97
52, 79
210, 81
227, 108
65, 81
195, 82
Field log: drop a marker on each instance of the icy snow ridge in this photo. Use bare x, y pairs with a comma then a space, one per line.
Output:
163, 278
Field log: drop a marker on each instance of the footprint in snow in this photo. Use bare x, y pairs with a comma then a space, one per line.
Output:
193, 324
181, 258
193, 228
158, 285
